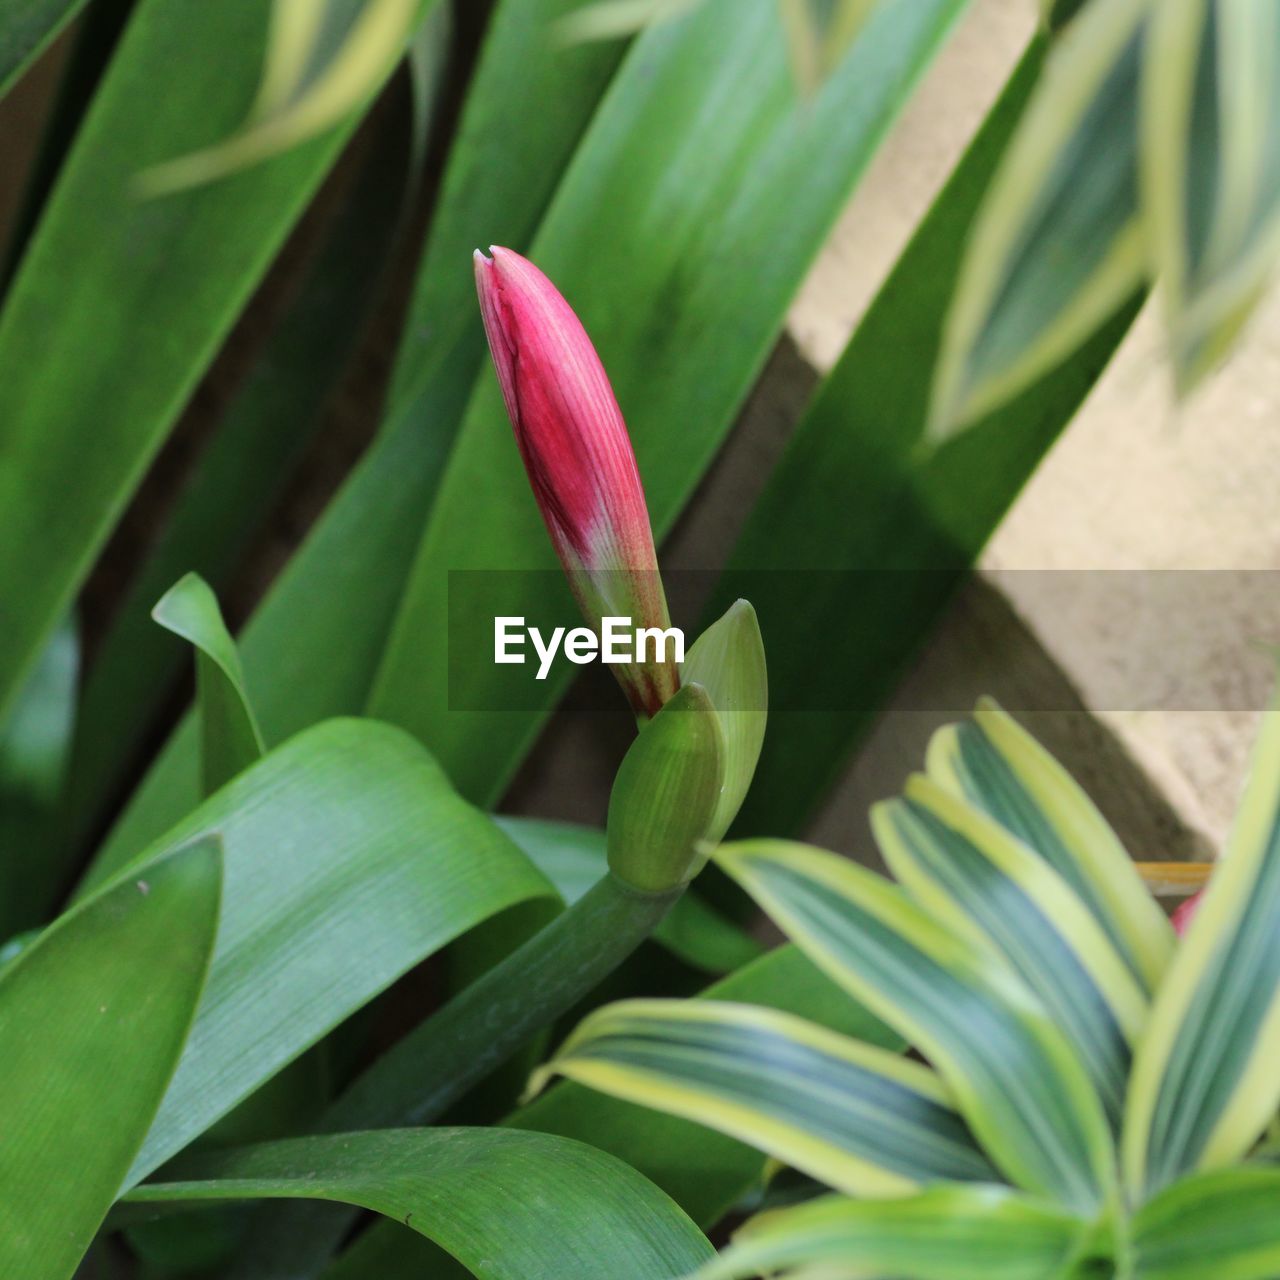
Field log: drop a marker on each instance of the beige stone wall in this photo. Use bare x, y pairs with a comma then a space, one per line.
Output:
1136, 484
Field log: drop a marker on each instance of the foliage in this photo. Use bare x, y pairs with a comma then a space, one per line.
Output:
263, 949
1091, 1095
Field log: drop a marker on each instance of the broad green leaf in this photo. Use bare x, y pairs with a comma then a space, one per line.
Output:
609, 19
880, 571
820, 33
230, 738
987, 886
728, 661
702, 158
262, 433
346, 580
1211, 168
325, 60
511, 1205
1222, 1224
120, 304
950, 1233
34, 748
999, 767
1011, 1072
658, 1145
666, 794
857, 1117
572, 857
1059, 243
1204, 1082
27, 28
93, 1017
348, 859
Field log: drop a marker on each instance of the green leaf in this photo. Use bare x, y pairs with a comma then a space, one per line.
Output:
659, 1145
507, 1205
1222, 1224
1059, 243
728, 661
1012, 1074
1000, 768
572, 857
93, 1017
609, 19
325, 61
312, 648
34, 747
1204, 1083
27, 28
72, 350
727, 165
1211, 169
666, 794
879, 572
859, 1118
951, 1233
262, 433
230, 738
348, 860
987, 886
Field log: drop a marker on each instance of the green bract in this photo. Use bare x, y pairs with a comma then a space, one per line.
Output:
1090, 1090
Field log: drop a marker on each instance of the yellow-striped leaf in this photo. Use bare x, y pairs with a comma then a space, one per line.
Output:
856, 1117
997, 766
949, 1233
987, 886
1011, 1072
324, 59
1058, 245
1211, 168
1204, 1083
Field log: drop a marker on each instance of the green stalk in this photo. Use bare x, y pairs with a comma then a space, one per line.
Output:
418, 1079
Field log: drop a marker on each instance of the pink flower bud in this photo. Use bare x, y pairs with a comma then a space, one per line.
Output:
578, 457
1185, 913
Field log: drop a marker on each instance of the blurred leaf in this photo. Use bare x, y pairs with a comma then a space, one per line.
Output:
610, 19
27, 28
230, 738
666, 793
1020, 1084
1058, 245
997, 766
705, 158
856, 1117
728, 661
820, 33
262, 433
880, 571
93, 1017
34, 746
325, 60
511, 1205
1221, 1224
1211, 169
659, 1145
949, 1233
1204, 1083
987, 886
119, 305
347, 579
573, 859
348, 860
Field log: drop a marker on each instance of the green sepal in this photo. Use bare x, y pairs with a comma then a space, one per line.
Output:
666, 796
230, 737
727, 660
